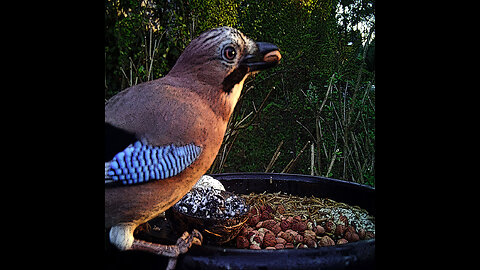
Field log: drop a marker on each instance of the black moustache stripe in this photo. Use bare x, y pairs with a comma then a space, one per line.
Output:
234, 77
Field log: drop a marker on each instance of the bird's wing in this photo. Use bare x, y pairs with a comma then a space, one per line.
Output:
156, 132
141, 162
116, 140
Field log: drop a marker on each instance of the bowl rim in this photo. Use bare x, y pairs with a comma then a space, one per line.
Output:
286, 176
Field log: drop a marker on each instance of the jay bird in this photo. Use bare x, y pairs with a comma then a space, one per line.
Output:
161, 136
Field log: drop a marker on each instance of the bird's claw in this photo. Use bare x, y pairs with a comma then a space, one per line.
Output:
183, 244
197, 238
186, 240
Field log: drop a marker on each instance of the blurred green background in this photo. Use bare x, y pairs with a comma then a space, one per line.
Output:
312, 114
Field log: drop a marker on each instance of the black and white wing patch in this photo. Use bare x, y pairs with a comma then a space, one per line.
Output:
140, 162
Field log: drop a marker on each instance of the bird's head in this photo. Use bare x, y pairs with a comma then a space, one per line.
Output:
222, 58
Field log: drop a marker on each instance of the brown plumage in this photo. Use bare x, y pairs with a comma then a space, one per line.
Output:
190, 105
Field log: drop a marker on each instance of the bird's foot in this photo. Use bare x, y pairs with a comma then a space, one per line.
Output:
186, 240
183, 244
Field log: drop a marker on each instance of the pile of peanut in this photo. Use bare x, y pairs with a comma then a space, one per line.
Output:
270, 227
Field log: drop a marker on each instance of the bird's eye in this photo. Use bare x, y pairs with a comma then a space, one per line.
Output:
229, 53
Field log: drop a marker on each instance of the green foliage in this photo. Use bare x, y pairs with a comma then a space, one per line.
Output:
322, 46
211, 14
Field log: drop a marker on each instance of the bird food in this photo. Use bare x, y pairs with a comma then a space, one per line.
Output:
279, 221
219, 215
211, 203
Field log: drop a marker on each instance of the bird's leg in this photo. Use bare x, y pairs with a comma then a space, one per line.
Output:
183, 244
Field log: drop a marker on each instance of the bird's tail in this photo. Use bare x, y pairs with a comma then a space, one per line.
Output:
108, 178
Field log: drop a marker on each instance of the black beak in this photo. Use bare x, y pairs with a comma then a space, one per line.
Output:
267, 56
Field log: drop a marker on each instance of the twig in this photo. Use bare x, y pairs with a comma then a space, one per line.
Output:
326, 95
274, 157
331, 162
318, 139
152, 55
313, 137
312, 158
123, 72
258, 112
357, 157
293, 161
237, 125
224, 157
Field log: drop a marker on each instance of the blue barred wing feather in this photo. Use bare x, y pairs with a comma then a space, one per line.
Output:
140, 162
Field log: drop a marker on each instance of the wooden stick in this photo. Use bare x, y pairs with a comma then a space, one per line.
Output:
274, 157
293, 161
331, 162
312, 158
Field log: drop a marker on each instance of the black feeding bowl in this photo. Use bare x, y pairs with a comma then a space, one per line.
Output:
355, 255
